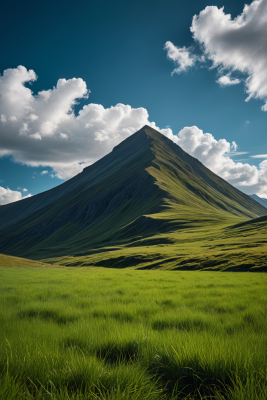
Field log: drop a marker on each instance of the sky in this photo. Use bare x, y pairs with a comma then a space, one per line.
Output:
76, 78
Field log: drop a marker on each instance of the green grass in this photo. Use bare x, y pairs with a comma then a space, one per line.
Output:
17, 262
215, 246
95, 333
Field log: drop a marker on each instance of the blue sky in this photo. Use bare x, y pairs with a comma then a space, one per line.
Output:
117, 49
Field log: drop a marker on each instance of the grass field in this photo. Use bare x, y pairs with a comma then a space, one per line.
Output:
95, 333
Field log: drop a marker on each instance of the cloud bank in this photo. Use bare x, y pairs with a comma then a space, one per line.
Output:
238, 44
43, 130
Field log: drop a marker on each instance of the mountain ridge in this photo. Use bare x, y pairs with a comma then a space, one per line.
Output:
260, 200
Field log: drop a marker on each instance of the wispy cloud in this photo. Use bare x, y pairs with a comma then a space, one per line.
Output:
182, 57
236, 153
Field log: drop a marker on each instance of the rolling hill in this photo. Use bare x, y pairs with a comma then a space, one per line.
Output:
143, 198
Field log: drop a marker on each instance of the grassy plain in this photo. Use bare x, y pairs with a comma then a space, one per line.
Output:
95, 333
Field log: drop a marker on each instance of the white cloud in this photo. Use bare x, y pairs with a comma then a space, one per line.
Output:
25, 190
234, 146
259, 156
44, 172
236, 153
43, 130
9, 196
215, 154
69, 143
181, 56
238, 44
36, 136
33, 117
226, 80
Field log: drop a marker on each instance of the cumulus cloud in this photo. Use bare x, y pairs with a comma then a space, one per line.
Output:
238, 44
43, 130
216, 155
226, 80
181, 56
9, 196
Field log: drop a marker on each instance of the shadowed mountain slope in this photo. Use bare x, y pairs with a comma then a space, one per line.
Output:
146, 186
260, 200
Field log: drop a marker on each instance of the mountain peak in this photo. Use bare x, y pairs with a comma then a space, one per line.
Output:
136, 140
146, 185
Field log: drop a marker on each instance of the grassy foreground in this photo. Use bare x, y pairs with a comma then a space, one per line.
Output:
96, 333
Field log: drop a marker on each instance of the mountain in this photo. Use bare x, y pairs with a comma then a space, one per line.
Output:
260, 200
143, 193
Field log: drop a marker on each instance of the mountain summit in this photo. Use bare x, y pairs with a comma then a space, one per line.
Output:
146, 186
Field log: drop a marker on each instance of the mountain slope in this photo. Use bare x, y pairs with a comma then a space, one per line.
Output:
146, 186
260, 200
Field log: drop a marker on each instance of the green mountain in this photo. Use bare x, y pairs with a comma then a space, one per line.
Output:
145, 194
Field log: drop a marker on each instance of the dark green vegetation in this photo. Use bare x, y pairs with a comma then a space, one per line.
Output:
147, 204
94, 333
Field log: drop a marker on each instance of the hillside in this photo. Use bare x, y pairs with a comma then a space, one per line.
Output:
147, 189
17, 262
260, 200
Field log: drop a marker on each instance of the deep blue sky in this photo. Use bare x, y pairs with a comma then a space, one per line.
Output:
117, 49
